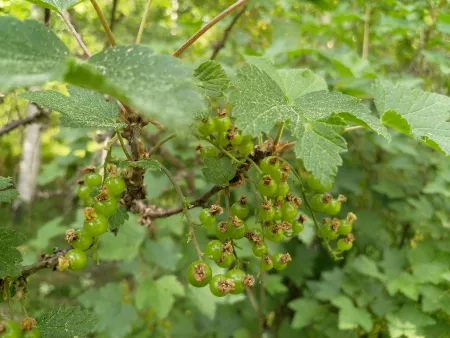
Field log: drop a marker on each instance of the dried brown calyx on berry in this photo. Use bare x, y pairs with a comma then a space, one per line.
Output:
200, 272
71, 235
267, 260
267, 180
198, 147
285, 225
222, 226
342, 199
249, 281
28, 323
103, 195
297, 201
349, 238
285, 168
286, 258
63, 263
327, 198
254, 237
335, 223
216, 210
276, 228
90, 214
227, 248
235, 221
226, 285
351, 217
87, 170
222, 112
243, 200
266, 205
302, 218
284, 177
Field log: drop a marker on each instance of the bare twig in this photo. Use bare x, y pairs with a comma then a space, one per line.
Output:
105, 25
112, 19
122, 144
205, 28
77, 36
143, 21
365, 49
48, 261
22, 122
185, 211
226, 33
160, 143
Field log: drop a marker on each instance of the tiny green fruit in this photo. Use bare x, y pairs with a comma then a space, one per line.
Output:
93, 180
77, 259
199, 274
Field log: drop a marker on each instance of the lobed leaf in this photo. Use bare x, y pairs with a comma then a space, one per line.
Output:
219, 170
10, 257
214, 80
55, 5
7, 194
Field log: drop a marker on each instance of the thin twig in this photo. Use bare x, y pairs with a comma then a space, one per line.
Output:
21, 122
49, 261
122, 144
143, 21
160, 143
105, 25
226, 33
277, 138
365, 49
77, 36
112, 19
185, 211
210, 24
262, 300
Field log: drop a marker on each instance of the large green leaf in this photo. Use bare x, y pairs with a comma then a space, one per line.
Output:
7, 194
30, 54
10, 257
56, 5
266, 96
214, 80
66, 322
82, 108
419, 114
219, 170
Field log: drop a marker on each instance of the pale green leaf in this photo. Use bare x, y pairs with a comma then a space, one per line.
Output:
147, 163
307, 311
219, 170
10, 257
7, 194
47, 232
115, 318
164, 252
366, 266
419, 114
82, 108
56, 5
118, 219
298, 82
30, 54
407, 321
66, 322
159, 295
404, 283
274, 285
350, 316
214, 80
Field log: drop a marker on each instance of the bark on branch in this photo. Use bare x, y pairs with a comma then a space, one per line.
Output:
22, 122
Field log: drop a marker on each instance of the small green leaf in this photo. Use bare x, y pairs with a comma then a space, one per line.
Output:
56, 5
164, 252
219, 170
416, 113
118, 219
406, 322
214, 80
350, 317
147, 163
66, 322
10, 257
6, 194
46, 232
307, 311
82, 108
30, 54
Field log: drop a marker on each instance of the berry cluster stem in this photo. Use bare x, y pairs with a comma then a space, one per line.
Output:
160, 143
122, 144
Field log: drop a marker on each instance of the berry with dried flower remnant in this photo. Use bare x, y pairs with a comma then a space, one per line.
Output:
225, 261
266, 264
269, 165
199, 274
280, 260
267, 186
10, 329
220, 285
214, 249
93, 180
240, 208
259, 249
347, 224
95, 223
206, 126
266, 211
73, 260
237, 276
334, 206
238, 229
346, 243
79, 239
116, 185
319, 202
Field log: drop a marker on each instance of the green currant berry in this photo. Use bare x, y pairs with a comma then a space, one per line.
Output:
280, 260
240, 209
274, 233
237, 276
246, 148
266, 264
93, 180
220, 286
237, 231
206, 127
79, 239
330, 228
347, 224
116, 185
33, 333
206, 218
223, 230
106, 207
222, 139
235, 138
10, 329
214, 249
333, 207
199, 274
222, 123
267, 186
77, 259
270, 165
297, 227
319, 202
278, 214
225, 261
315, 185
95, 223
208, 151
289, 211
283, 189
84, 192
266, 211
343, 244
89, 202
259, 249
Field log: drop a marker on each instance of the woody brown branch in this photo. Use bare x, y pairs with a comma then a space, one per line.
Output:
22, 122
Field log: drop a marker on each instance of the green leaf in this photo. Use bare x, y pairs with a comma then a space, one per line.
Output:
365, 266
159, 295
6, 194
351, 317
114, 317
406, 322
10, 257
219, 170
118, 219
66, 322
214, 80
159, 86
56, 5
307, 311
275, 286
47, 232
404, 283
164, 252
30, 54
266, 96
82, 108
147, 163
416, 113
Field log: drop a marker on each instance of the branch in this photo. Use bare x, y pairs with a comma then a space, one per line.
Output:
22, 122
365, 49
210, 24
221, 44
77, 36
112, 19
105, 25
48, 261
144, 19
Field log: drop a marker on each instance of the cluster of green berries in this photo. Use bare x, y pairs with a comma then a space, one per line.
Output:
26, 329
103, 204
331, 229
221, 130
278, 215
